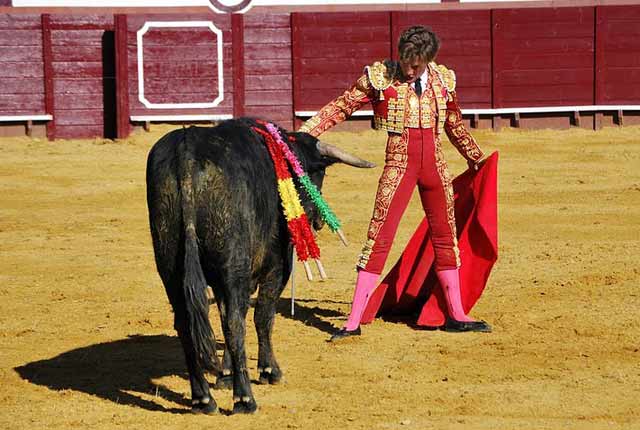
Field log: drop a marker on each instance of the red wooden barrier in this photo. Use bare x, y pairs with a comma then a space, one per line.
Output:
543, 57
465, 47
618, 55
22, 82
267, 60
330, 51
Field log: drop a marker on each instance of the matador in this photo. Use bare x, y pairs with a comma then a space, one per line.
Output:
414, 100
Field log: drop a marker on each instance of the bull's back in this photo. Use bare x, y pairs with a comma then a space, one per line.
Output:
234, 190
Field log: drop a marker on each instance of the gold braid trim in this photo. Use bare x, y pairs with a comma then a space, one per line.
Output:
377, 73
447, 76
447, 186
458, 133
394, 169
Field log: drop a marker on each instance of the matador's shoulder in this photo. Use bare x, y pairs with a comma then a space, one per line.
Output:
448, 77
380, 75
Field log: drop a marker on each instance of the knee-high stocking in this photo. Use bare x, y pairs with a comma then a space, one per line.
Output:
450, 283
365, 285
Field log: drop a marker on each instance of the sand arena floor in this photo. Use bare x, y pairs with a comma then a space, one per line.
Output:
86, 337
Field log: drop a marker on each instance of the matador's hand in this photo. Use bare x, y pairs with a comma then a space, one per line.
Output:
474, 165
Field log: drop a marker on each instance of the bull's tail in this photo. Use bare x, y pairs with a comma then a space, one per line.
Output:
194, 285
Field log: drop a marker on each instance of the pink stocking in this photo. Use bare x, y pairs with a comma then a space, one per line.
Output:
450, 282
365, 285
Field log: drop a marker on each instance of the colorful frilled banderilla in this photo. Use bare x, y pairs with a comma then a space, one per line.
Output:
297, 222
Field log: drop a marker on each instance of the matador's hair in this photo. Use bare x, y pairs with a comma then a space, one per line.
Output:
418, 42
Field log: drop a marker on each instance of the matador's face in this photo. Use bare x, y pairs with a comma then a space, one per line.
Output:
412, 69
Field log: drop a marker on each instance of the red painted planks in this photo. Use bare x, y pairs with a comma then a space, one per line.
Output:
20, 22
20, 37
617, 55
11, 103
180, 64
465, 47
543, 57
331, 51
268, 67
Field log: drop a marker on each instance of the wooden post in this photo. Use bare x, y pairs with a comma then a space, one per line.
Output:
237, 41
47, 62
475, 120
619, 118
597, 120
516, 119
29, 127
123, 125
495, 122
576, 118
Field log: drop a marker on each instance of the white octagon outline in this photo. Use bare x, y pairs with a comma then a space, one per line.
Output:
179, 24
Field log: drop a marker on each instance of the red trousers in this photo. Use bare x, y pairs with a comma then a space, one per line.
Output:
413, 158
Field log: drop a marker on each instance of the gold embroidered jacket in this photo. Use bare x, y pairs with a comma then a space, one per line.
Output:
396, 106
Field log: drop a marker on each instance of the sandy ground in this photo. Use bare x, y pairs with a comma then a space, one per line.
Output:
86, 337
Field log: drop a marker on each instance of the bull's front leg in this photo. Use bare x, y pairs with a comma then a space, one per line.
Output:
264, 318
234, 325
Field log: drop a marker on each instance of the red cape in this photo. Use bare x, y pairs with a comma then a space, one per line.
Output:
409, 287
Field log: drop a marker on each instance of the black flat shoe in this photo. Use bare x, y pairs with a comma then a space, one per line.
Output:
454, 326
343, 332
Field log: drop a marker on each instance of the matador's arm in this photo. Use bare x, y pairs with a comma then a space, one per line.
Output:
454, 127
341, 108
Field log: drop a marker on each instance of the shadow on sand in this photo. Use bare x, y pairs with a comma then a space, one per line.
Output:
123, 371
116, 371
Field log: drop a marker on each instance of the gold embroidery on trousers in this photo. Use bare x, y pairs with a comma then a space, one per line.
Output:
394, 170
445, 179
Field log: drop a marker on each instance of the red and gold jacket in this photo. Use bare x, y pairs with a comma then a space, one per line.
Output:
397, 107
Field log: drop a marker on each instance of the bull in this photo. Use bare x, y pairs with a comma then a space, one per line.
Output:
215, 220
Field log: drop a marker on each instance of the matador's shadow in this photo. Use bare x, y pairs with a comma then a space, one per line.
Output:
120, 371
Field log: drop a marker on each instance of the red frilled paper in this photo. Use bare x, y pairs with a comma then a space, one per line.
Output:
411, 286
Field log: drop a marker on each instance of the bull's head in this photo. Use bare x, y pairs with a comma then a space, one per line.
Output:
315, 157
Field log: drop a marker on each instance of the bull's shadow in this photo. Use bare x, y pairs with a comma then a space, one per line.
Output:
123, 371
117, 371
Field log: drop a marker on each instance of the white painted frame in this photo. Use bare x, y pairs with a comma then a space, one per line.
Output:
179, 24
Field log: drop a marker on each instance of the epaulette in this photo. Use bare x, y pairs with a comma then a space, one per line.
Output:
447, 76
378, 76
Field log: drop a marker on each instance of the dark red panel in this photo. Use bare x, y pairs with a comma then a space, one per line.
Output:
543, 57
618, 55
268, 68
21, 66
465, 47
331, 51
19, 22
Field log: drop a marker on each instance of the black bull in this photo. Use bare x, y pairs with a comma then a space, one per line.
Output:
216, 220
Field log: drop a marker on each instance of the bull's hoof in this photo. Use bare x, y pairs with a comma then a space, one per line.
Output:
199, 407
224, 382
245, 407
270, 376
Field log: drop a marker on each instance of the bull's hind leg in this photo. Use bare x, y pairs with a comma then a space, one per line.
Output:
234, 325
264, 317
201, 399
224, 381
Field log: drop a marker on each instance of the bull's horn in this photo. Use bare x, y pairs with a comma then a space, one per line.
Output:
328, 150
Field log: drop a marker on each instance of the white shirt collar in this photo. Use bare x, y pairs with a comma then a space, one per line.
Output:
424, 78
